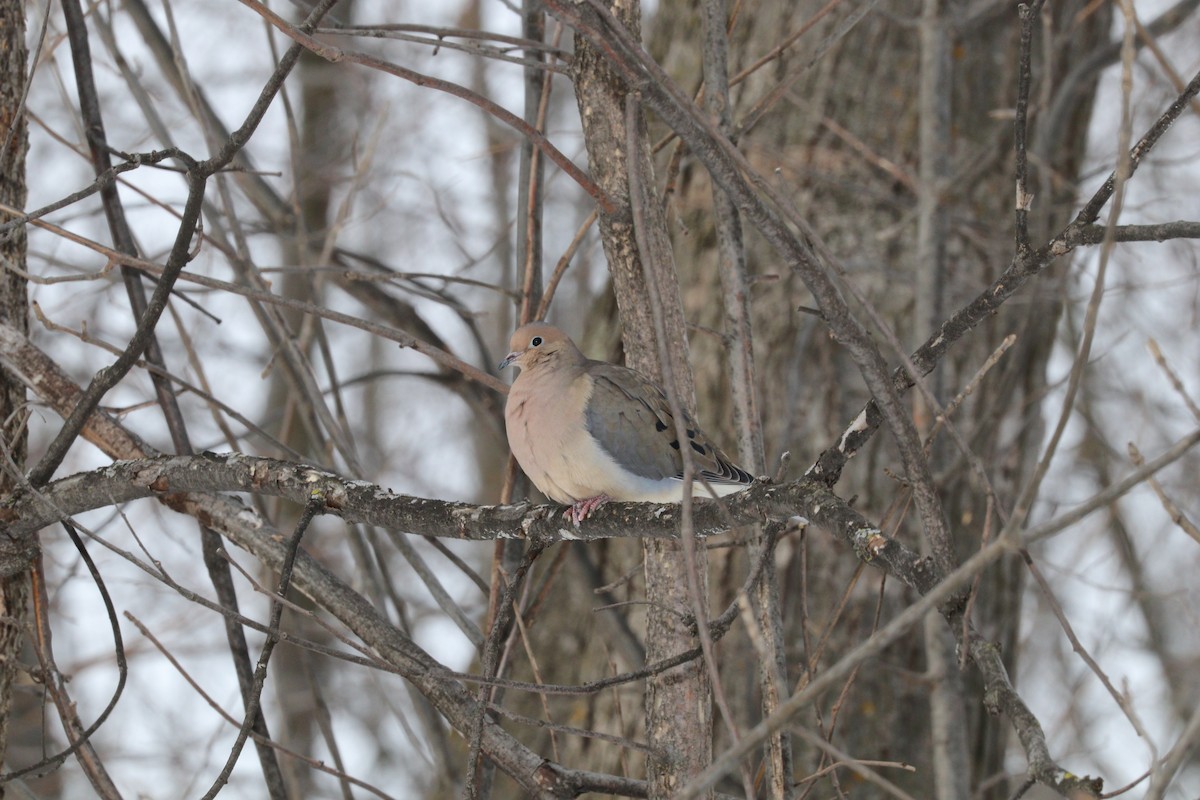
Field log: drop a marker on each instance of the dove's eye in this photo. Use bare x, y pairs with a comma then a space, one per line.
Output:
536, 342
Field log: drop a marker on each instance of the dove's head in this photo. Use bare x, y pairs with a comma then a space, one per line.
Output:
538, 344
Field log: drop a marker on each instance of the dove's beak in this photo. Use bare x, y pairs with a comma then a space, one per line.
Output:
510, 358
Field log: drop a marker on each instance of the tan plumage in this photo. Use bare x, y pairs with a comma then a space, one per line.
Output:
586, 431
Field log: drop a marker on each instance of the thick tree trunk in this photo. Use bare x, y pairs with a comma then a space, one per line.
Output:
14, 591
642, 280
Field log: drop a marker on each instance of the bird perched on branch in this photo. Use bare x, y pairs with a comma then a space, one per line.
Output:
587, 432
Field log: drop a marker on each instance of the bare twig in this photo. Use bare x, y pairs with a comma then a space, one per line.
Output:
311, 508
1024, 201
440, 38
564, 261
857, 766
79, 737
1173, 510
1176, 384
1165, 772
1121, 700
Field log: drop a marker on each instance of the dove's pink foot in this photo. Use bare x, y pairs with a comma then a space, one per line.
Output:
581, 509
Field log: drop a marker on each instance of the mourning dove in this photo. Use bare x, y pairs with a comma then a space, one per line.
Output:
587, 432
